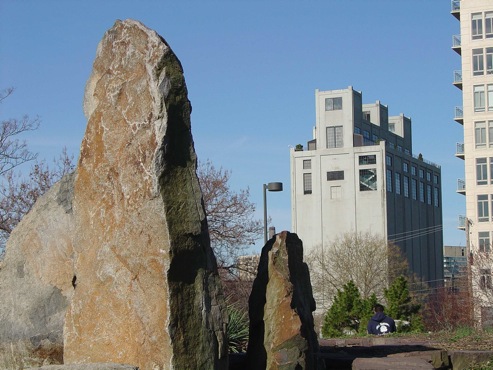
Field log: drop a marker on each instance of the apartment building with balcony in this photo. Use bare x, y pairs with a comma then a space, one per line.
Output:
474, 45
359, 174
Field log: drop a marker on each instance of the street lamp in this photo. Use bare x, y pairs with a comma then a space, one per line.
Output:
271, 186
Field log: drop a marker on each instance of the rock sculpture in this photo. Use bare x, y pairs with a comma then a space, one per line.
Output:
282, 334
138, 278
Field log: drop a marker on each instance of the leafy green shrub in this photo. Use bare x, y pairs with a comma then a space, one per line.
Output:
346, 313
402, 307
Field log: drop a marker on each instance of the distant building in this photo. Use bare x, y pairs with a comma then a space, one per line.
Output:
247, 267
454, 267
359, 174
475, 80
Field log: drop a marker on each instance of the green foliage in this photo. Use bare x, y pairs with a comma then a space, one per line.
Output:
350, 313
345, 315
237, 329
401, 306
367, 312
462, 332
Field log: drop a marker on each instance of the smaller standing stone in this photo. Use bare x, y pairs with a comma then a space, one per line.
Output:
282, 334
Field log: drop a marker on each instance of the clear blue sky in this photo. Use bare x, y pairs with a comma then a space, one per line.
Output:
251, 69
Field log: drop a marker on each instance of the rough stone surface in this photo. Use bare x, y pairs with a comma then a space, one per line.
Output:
462, 360
438, 358
282, 334
125, 251
36, 274
394, 363
95, 366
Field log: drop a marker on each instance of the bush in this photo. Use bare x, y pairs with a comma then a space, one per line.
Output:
402, 308
237, 329
346, 314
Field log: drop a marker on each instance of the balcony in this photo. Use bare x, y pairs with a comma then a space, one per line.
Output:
459, 150
455, 11
462, 222
456, 44
459, 115
458, 79
461, 186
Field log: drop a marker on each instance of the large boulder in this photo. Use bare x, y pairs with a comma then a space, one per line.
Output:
281, 305
36, 274
138, 277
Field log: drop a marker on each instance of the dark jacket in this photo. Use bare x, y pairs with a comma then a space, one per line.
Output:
381, 324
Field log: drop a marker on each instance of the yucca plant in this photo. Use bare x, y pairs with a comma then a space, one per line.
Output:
237, 329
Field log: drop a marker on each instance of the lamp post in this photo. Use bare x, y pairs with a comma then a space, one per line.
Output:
271, 186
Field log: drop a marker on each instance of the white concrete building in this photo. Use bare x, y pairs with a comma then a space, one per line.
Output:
475, 79
359, 174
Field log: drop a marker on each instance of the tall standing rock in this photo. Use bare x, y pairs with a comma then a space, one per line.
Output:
147, 290
282, 334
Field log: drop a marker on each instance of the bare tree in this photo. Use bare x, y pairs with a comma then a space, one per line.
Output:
13, 151
481, 283
230, 215
365, 258
18, 193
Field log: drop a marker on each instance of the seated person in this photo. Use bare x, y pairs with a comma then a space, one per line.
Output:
380, 323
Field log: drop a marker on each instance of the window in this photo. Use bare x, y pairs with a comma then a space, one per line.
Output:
490, 134
405, 166
397, 183
421, 174
366, 116
421, 192
481, 171
307, 183
435, 179
428, 194
388, 160
399, 148
435, 197
374, 138
392, 127
480, 134
334, 137
428, 176
333, 104
357, 130
483, 211
484, 241
366, 134
479, 98
406, 186
307, 164
335, 192
485, 279
367, 159
335, 175
477, 26
477, 62
414, 191
489, 61
389, 180
490, 97
413, 170
368, 179
491, 170
488, 24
